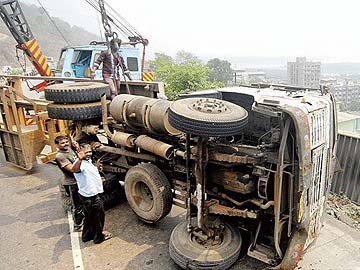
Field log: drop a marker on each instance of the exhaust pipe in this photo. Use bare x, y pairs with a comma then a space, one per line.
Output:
124, 139
154, 146
119, 138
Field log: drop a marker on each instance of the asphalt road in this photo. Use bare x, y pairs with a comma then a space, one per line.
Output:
34, 232
34, 229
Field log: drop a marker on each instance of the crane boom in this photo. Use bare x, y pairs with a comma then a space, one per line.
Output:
14, 19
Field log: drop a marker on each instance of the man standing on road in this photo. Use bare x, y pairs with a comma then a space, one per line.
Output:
90, 186
112, 64
65, 158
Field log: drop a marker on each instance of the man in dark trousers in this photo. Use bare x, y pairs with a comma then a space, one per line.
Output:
113, 64
65, 157
90, 187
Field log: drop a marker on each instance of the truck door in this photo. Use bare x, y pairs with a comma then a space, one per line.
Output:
81, 63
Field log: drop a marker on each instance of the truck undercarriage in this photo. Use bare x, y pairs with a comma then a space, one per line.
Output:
241, 161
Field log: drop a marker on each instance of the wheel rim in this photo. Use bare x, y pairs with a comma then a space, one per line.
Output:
209, 106
143, 196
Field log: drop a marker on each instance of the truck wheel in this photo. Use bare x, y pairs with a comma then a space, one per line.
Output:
111, 199
189, 254
65, 199
75, 111
207, 117
78, 92
148, 192
113, 192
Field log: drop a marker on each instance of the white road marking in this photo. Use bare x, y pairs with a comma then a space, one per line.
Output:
75, 245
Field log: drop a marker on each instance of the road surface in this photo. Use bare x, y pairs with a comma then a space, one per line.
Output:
35, 234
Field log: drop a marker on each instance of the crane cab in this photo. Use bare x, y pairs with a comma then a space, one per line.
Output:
76, 61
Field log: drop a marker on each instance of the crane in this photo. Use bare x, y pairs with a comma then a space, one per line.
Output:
13, 17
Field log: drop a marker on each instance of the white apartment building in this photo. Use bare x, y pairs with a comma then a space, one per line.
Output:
347, 92
303, 73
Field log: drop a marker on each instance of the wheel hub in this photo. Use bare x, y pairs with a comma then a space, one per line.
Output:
144, 196
211, 106
199, 237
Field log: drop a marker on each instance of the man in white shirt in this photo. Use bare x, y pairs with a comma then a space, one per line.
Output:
90, 186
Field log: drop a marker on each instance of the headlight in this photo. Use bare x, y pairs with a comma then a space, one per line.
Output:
67, 74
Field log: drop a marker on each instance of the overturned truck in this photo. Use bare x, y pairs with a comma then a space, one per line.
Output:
254, 161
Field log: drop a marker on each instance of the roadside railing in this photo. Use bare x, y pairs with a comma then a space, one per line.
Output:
346, 181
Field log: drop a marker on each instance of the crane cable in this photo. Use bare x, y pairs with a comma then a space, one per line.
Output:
122, 25
57, 28
94, 4
23, 66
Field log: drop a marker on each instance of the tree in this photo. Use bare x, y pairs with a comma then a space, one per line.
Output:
162, 65
220, 70
186, 58
185, 74
159, 60
187, 78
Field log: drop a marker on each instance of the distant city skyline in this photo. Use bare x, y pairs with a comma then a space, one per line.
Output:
320, 30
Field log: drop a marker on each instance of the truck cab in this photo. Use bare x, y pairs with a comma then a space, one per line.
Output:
76, 61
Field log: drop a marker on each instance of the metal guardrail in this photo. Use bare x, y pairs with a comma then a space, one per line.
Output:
347, 180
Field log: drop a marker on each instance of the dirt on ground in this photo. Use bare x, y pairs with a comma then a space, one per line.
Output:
342, 208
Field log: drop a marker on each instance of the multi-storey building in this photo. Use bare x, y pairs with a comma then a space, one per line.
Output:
347, 92
303, 73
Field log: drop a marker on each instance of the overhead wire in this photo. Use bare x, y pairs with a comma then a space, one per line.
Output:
57, 28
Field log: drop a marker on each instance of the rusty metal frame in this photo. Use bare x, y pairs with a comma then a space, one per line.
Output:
278, 181
21, 143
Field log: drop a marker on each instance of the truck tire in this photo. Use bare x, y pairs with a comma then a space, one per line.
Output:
113, 192
148, 192
78, 92
75, 111
189, 254
207, 117
111, 199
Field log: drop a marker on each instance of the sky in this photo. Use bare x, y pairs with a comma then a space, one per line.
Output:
321, 30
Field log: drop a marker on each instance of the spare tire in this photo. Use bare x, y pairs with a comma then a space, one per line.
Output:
207, 117
78, 92
75, 111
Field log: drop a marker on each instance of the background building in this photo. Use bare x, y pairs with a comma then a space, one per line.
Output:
242, 76
303, 73
347, 93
